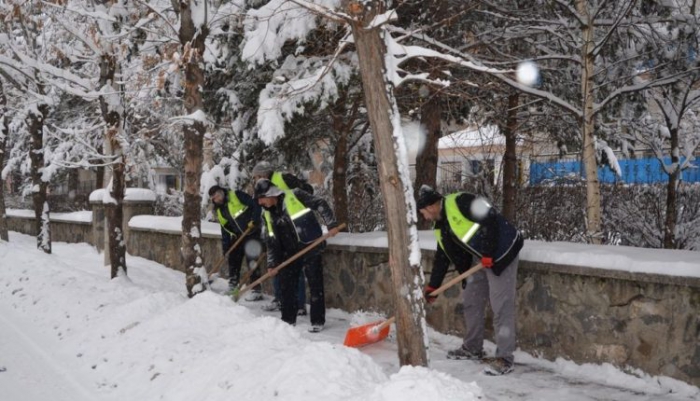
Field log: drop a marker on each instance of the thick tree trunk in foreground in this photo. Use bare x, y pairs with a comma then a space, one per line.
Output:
192, 41
395, 184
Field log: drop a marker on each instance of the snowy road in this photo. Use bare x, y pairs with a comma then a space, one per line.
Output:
31, 372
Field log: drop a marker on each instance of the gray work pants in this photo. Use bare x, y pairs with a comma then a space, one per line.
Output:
500, 291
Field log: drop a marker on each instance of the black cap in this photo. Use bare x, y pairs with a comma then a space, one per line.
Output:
427, 196
266, 189
215, 188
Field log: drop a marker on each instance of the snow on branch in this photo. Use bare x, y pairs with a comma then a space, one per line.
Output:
641, 85
89, 43
398, 54
284, 97
268, 28
51, 70
94, 15
383, 19
189, 119
323, 11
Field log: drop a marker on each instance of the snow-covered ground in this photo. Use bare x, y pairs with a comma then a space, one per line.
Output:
68, 332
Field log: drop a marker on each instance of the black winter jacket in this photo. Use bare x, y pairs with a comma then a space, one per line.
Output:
285, 242
497, 238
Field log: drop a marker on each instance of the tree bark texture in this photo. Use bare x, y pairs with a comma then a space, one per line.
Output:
344, 120
672, 194
593, 199
114, 211
510, 159
340, 171
383, 114
4, 236
4, 133
192, 41
35, 125
427, 158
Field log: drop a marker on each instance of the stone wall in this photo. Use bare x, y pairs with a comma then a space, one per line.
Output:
164, 247
130, 209
61, 230
645, 321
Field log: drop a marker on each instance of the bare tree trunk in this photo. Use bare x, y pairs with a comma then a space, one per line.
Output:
510, 170
4, 133
381, 105
116, 246
35, 125
672, 194
73, 183
99, 173
427, 159
344, 119
593, 201
192, 41
340, 171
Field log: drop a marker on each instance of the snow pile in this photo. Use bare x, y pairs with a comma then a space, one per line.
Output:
141, 338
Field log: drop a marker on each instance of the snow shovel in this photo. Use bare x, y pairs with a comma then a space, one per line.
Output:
371, 333
289, 261
217, 267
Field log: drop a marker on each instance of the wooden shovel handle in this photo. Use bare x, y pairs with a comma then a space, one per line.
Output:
456, 280
234, 246
296, 256
437, 292
384, 324
250, 271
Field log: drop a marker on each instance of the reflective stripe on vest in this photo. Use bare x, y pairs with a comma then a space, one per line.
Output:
463, 228
235, 208
294, 208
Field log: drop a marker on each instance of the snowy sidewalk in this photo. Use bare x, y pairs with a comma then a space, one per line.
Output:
70, 333
532, 378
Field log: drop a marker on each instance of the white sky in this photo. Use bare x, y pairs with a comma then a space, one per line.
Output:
71, 333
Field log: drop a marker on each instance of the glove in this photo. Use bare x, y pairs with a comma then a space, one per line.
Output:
271, 271
428, 289
487, 262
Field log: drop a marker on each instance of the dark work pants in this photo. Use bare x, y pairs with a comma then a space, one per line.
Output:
289, 281
301, 291
235, 261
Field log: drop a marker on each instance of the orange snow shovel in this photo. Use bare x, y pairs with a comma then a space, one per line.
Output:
287, 262
371, 333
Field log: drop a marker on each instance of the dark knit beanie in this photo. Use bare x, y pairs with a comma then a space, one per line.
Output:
427, 196
215, 188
